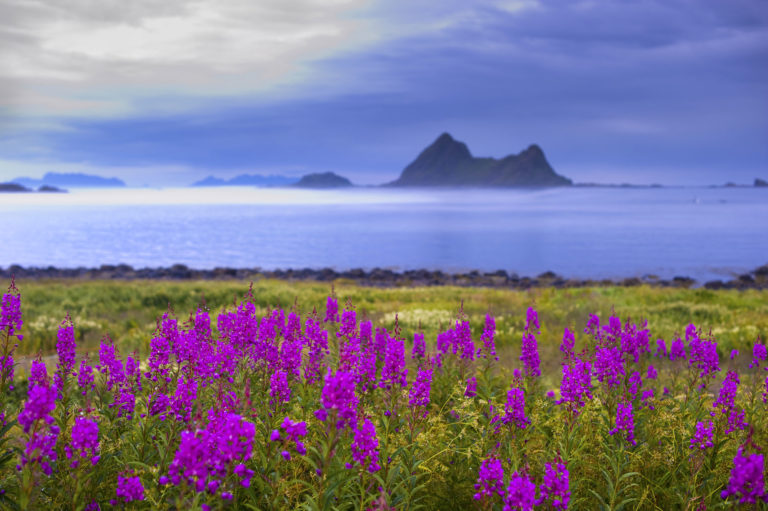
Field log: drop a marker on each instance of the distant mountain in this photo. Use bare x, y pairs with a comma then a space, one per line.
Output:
72, 180
761, 183
248, 180
13, 187
448, 162
324, 180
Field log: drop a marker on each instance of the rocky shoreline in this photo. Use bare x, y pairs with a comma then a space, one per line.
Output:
377, 277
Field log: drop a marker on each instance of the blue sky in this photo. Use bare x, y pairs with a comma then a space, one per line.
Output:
650, 91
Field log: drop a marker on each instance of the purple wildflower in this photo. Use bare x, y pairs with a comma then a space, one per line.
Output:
85, 441
702, 438
661, 348
471, 389
419, 346
339, 395
651, 374
521, 493
41, 400
625, 421
158, 404
10, 312
65, 347
129, 488
530, 348
703, 353
348, 327
734, 354
318, 349
569, 341
38, 374
747, 479
677, 350
759, 354
646, 397
331, 310
514, 409
393, 372
364, 447
609, 366
85, 377
490, 479
488, 337
279, 390
555, 486
419, 393
576, 385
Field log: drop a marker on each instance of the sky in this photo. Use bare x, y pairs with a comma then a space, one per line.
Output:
166, 93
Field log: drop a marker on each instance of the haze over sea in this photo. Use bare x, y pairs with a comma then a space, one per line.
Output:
703, 233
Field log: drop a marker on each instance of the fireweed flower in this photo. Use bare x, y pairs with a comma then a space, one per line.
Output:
393, 372
38, 374
184, 398
158, 404
463, 344
702, 353
726, 403
609, 366
566, 346
279, 390
10, 312
348, 327
646, 397
420, 390
521, 493
85, 441
576, 385
129, 488
555, 486
85, 377
41, 445
125, 403
7, 365
365, 447
759, 354
625, 421
205, 456
444, 341
159, 358
339, 395
488, 337
290, 357
747, 480
419, 346
349, 349
530, 349
651, 374
734, 354
514, 409
331, 310
318, 349
677, 350
366, 333
702, 437
65, 347
490, 479
661, 348
471, 390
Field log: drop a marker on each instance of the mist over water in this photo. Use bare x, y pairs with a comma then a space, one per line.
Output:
578, 232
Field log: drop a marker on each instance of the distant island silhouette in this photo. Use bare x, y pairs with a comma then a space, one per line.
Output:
448, 162
323, 180
70, 180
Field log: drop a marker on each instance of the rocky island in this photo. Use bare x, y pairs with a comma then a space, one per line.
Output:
448, 162
323, 180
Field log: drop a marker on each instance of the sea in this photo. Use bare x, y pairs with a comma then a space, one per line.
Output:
579, 232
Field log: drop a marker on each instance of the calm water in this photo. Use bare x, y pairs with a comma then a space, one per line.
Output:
702, 233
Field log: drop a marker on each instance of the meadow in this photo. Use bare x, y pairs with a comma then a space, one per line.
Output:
286, 395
